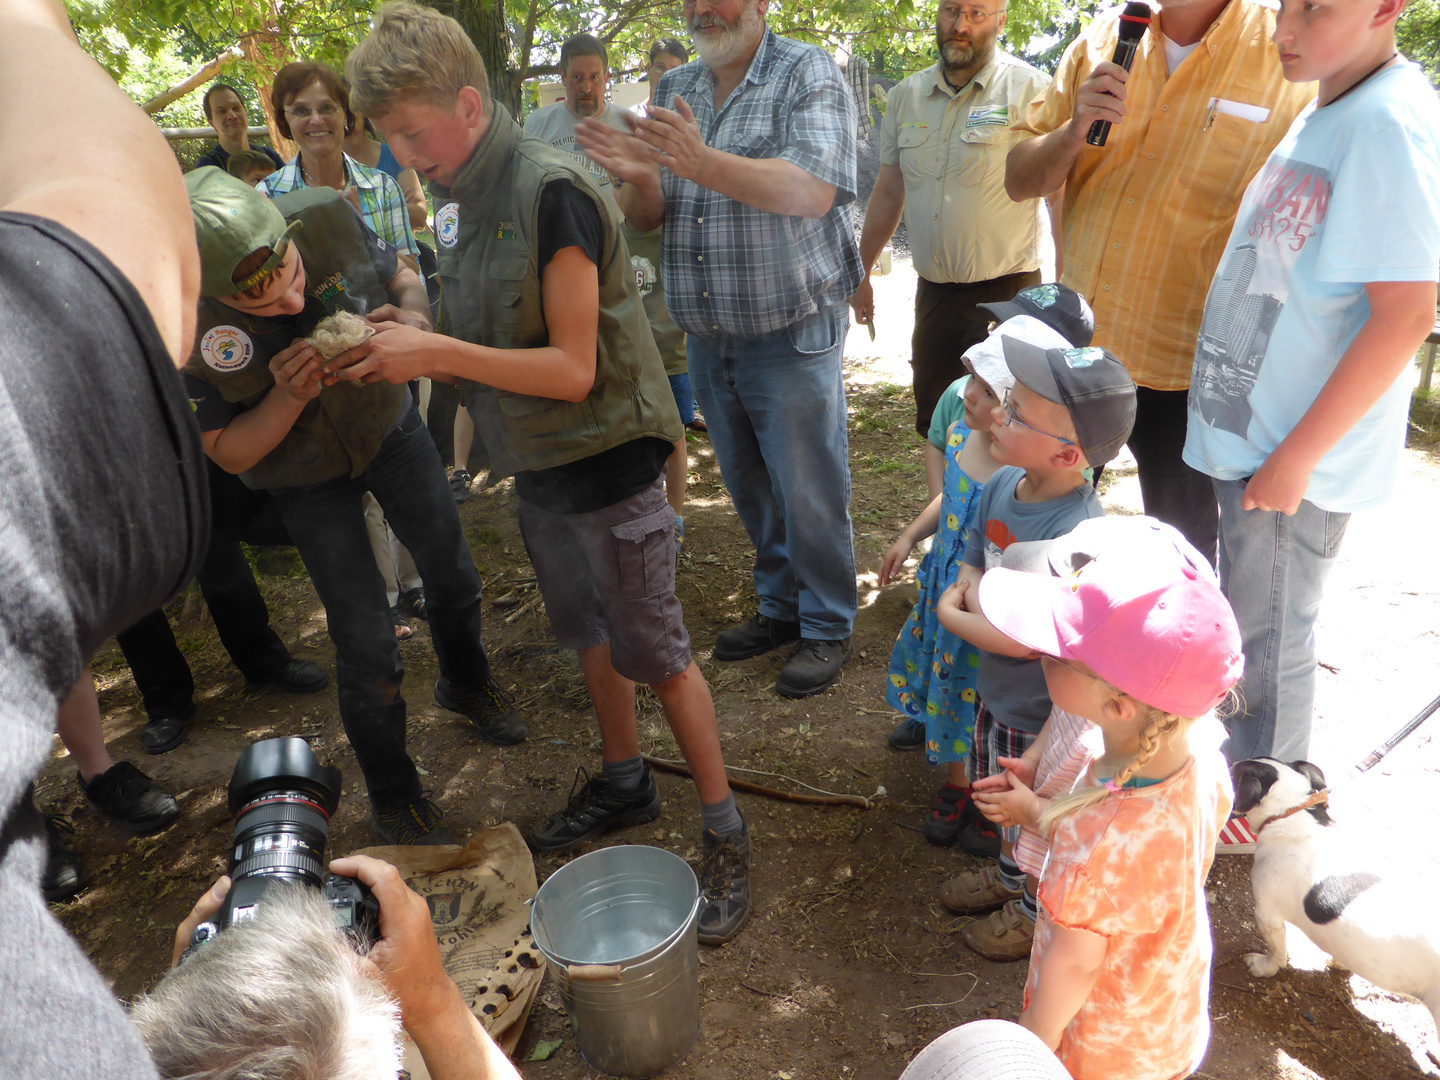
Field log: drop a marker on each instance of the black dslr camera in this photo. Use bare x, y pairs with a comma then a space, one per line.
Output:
282, 799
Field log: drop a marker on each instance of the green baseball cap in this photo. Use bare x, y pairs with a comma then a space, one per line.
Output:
232, 221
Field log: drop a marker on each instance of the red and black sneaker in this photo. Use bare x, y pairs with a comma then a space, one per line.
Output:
978, 835
942, 823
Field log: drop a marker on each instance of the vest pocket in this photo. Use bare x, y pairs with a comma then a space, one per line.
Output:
644, 554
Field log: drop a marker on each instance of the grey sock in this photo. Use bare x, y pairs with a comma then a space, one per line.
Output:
1011, 876
722, 818
626, 775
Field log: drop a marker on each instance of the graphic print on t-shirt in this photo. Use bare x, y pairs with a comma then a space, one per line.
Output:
1286, 207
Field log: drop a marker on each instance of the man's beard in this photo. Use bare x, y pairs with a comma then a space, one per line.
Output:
733, 43
958, 56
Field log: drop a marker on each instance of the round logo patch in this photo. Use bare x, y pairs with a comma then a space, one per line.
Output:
645, 276
226, 348
447, 224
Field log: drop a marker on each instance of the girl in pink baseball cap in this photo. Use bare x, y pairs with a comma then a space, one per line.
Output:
1145, 648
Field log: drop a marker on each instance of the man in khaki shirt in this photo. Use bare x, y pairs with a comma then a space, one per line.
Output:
1146, 216
943, 143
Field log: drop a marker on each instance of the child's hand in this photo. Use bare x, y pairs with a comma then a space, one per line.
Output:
1017, 805
894, 559
1023, 769
954, 596
1279, 483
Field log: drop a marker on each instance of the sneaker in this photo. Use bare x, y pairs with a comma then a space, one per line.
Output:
978, 836
490, 709
411, 603
460, 486
813, 667
295, 677
417, 822
64, 874
597, 807
759, 635
942, 823
1005, 935
1236, 838
908, 736
974, 892
724, 886
163, 733
131, 797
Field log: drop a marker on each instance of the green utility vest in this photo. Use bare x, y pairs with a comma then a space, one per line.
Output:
339, 432
487, 225
645, 258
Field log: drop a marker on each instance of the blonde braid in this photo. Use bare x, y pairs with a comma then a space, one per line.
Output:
1159, 727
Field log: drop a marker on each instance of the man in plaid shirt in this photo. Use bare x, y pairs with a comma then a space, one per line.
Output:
750, 173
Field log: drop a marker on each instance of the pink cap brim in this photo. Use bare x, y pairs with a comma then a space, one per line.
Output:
1022, 606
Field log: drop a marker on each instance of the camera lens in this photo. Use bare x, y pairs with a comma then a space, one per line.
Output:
282, 799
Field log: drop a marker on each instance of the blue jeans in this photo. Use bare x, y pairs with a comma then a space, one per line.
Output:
775, 405
1273, 569
327, 523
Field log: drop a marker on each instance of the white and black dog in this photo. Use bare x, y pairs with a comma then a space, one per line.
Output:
1373, 920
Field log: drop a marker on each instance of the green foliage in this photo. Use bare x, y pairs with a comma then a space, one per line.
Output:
1418, 36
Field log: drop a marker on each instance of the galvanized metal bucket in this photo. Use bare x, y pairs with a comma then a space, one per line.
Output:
617, 927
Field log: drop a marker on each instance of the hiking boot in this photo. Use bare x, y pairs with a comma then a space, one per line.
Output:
813, 667
64, 874
163, 733
724, 886
490, 709
978, 835
295, 677
131, 797
417, 822
942, 823
597, 807
759, 635
974, 892
1005, 935
908, 736
460, 486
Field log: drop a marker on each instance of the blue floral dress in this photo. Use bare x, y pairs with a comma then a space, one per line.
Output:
932, 672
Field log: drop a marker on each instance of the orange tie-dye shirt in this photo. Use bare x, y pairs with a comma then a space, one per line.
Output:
1132, 869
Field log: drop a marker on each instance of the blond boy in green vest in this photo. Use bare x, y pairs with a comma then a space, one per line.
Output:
544, 328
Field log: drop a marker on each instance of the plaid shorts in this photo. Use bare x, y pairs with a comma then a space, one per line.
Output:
994, 740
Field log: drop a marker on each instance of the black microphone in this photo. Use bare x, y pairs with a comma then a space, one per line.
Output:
1133, 21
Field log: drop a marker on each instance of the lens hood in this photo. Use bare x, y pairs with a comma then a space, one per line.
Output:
283, 764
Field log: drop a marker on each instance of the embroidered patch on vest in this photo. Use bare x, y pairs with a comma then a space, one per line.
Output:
506, 231
226, 348
447, 224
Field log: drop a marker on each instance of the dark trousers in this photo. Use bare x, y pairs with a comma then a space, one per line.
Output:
161, 674
1172, 491
327, 523
947, 322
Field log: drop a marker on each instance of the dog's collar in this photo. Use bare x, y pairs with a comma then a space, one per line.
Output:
1316, 798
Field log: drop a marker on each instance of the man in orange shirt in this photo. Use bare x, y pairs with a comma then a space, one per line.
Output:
1146, 216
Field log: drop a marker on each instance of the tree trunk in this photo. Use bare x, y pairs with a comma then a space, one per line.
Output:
484, 21
267, 51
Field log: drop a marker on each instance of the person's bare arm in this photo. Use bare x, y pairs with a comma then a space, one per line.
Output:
1401, 316
243, 443
959, 612
1067, 972
564, 369
934, 465
121, 192
449, 1036
407, 290
1055, 201
1040, 165
925, 524
882, 218
415, 203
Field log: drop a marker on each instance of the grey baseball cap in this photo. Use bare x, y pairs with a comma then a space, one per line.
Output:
1090, 383
1061, 307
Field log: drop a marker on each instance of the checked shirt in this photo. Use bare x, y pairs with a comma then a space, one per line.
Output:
382, 203
730, 268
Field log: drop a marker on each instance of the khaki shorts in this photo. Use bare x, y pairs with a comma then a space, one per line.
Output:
609, 575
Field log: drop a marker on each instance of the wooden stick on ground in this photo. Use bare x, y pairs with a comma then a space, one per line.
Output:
769, 793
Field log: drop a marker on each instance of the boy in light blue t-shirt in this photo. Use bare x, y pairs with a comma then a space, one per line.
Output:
1299, 393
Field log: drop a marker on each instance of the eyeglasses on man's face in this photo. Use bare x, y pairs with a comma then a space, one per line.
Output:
972, 15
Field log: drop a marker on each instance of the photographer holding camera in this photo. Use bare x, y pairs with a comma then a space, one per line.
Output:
287, 986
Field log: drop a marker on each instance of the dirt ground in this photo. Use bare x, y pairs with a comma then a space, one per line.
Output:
849, 965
